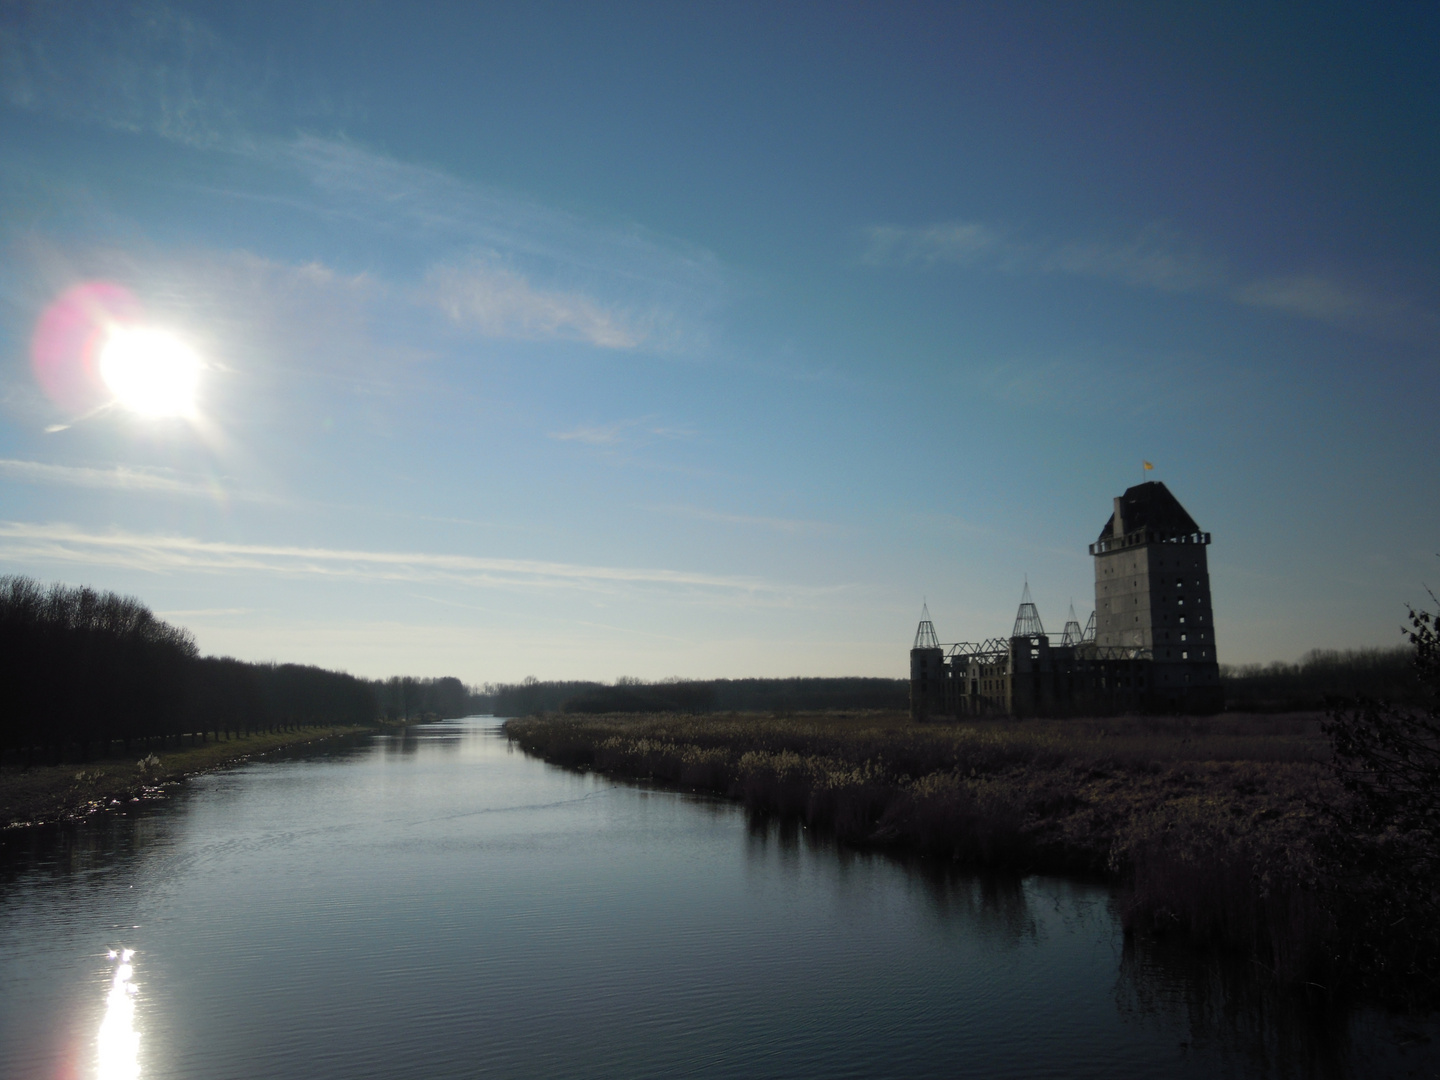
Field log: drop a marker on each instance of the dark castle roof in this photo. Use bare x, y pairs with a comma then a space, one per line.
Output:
1151, 506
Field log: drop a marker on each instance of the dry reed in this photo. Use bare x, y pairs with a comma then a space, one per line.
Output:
1208, 826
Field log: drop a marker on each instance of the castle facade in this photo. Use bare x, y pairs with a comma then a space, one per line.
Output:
1149, 645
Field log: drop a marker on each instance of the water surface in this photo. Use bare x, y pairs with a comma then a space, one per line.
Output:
439, 905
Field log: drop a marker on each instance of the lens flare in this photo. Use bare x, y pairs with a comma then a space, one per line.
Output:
150, 371
117, 1046
68, 337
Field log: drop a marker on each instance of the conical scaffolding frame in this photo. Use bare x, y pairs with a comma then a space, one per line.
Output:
1027, 619
925, 637
1073, 634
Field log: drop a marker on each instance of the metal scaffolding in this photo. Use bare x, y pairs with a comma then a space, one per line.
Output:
1073, 634
1027, 619
925, 637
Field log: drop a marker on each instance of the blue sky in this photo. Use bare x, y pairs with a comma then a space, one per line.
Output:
708, 340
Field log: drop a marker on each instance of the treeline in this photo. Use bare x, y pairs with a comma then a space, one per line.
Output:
1320, 676
83, 670
445, 698
690, 696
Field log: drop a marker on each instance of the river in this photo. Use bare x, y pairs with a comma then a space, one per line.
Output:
437, 904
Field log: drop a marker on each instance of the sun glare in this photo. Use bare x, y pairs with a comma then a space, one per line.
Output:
150, 371
118, 1043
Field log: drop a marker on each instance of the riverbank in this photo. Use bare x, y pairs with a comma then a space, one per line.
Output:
1207, 825
50, 793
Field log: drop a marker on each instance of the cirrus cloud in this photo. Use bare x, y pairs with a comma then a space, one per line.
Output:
499, 302
1156, 258
28, 542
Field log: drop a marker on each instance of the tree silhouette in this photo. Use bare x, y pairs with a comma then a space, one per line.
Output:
1384, 851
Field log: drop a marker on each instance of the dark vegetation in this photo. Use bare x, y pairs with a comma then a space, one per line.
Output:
1306, 842
415, 699
1381, 857
681, 696
1305, 686
85, 673
1321, 675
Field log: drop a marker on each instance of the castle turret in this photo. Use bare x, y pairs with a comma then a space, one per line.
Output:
927, 671
1030, 686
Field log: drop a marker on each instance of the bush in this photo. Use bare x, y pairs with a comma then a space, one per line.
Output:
1383, 854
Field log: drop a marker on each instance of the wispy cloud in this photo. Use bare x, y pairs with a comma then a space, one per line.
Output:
486, 265
501, 303
785, 525
496, 262
123, 478
154, 553
1315, 297
133, 67
622, 433
962, 242
1154, 258
419, 200
512, 266
607, 435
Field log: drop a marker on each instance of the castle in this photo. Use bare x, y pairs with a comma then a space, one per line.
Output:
1149, 645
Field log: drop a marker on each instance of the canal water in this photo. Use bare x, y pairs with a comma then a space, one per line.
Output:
437, 904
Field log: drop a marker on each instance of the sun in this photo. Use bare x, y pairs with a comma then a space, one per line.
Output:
150, 371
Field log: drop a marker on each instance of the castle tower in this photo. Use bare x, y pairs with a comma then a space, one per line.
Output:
927, 671
1152, 598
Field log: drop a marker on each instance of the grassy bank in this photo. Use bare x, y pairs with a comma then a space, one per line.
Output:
39, 794
1206, 824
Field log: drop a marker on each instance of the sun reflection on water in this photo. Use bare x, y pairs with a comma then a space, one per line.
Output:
118, 1043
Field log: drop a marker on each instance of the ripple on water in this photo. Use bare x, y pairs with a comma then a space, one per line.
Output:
439, 906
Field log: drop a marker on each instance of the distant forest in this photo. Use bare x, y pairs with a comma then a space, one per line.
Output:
83, 671
1306, 686
713, 695
1380, 674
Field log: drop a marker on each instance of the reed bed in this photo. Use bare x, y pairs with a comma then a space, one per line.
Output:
1208, 826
